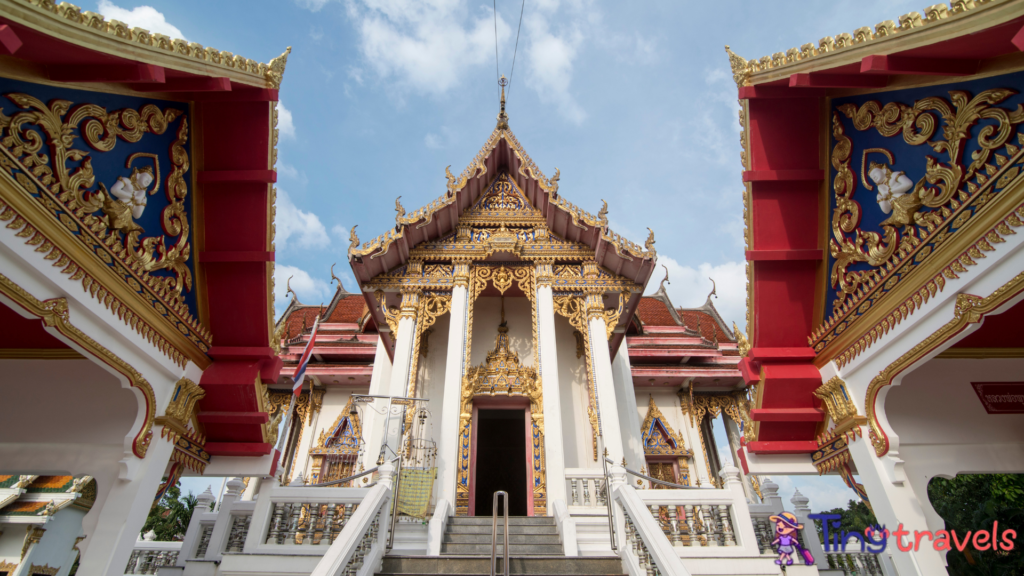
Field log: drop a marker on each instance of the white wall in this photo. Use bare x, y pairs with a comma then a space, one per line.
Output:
577, 435
431, 371
487, 316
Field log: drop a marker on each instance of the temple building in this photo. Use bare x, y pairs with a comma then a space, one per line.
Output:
136, 271
883, 200
496, 355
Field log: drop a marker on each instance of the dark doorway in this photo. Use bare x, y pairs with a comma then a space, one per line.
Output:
501, 460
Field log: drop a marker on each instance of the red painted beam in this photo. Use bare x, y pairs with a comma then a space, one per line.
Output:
240, 352
233, 417
237, 95
752, 92
767, 255
836, 81
888, 64
9, 41
238, 176
780, 354
194, 84
783, 175
154, 75
1018, 39
238, 448
787, 415
236, 256
779, 447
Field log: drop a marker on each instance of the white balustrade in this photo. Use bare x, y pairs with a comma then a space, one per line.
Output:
149, 556
359, 548
643, 546
585, 487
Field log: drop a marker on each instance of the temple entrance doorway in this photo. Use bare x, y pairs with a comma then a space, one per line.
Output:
501, 461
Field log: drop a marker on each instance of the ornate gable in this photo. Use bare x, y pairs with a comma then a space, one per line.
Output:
658, 437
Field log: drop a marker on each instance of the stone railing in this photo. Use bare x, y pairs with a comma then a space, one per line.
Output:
149, 556
585, 487
643, 547
359, 547
298, 519
856, 563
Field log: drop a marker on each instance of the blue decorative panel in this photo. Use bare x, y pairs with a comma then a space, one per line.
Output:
908, 169
114, 171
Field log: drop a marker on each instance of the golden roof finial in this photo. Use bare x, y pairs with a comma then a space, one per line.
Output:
740, 70
502, 117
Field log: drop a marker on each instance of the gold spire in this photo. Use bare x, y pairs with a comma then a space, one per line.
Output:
502, 117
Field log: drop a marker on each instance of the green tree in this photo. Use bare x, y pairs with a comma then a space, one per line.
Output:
855, 518
971, 502
170, 517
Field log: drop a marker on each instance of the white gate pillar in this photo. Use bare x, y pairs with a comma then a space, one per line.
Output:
455, 366
125, 511
547, 360
894, 503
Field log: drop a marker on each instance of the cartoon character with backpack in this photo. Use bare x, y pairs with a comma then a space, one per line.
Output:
786, 526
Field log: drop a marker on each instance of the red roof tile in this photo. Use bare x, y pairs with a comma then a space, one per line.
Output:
295, 323
705, 324
349, 309
654, 312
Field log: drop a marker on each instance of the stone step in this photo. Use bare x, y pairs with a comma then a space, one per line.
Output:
513, 539
512, 529
512, 521
528, 565
513, 549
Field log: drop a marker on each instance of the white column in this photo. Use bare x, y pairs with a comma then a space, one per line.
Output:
604, 386
373, 422
399, 385
732, 430
548, 362
125, 511
448, 451
894, 503
629, 416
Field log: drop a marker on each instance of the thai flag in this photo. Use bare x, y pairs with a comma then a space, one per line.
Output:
300, 373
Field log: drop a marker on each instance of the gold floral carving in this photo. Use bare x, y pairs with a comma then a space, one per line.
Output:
33, 534
744, 71
193, 56
742, 344
390, 313
970, 309
837, 399
654, 413
430, 307
67, 210
7, 567
54, 314
574, 308
181, 408
736, 406
501, 374
953, 200
44, 569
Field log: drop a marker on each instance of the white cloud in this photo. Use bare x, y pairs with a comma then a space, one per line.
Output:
310, 290
425, 44
550, 58
440, 140
291, 172
284, 122
316, 34
294, 226
141, 16
689, 287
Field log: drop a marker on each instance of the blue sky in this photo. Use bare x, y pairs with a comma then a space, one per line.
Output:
633, 101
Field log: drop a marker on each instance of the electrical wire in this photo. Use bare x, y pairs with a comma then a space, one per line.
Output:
521, 9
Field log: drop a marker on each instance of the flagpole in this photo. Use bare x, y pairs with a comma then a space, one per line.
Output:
285, 433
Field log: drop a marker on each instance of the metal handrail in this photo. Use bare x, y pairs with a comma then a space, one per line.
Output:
655, 480
394, 506
494, 534
608, 500
343, 480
